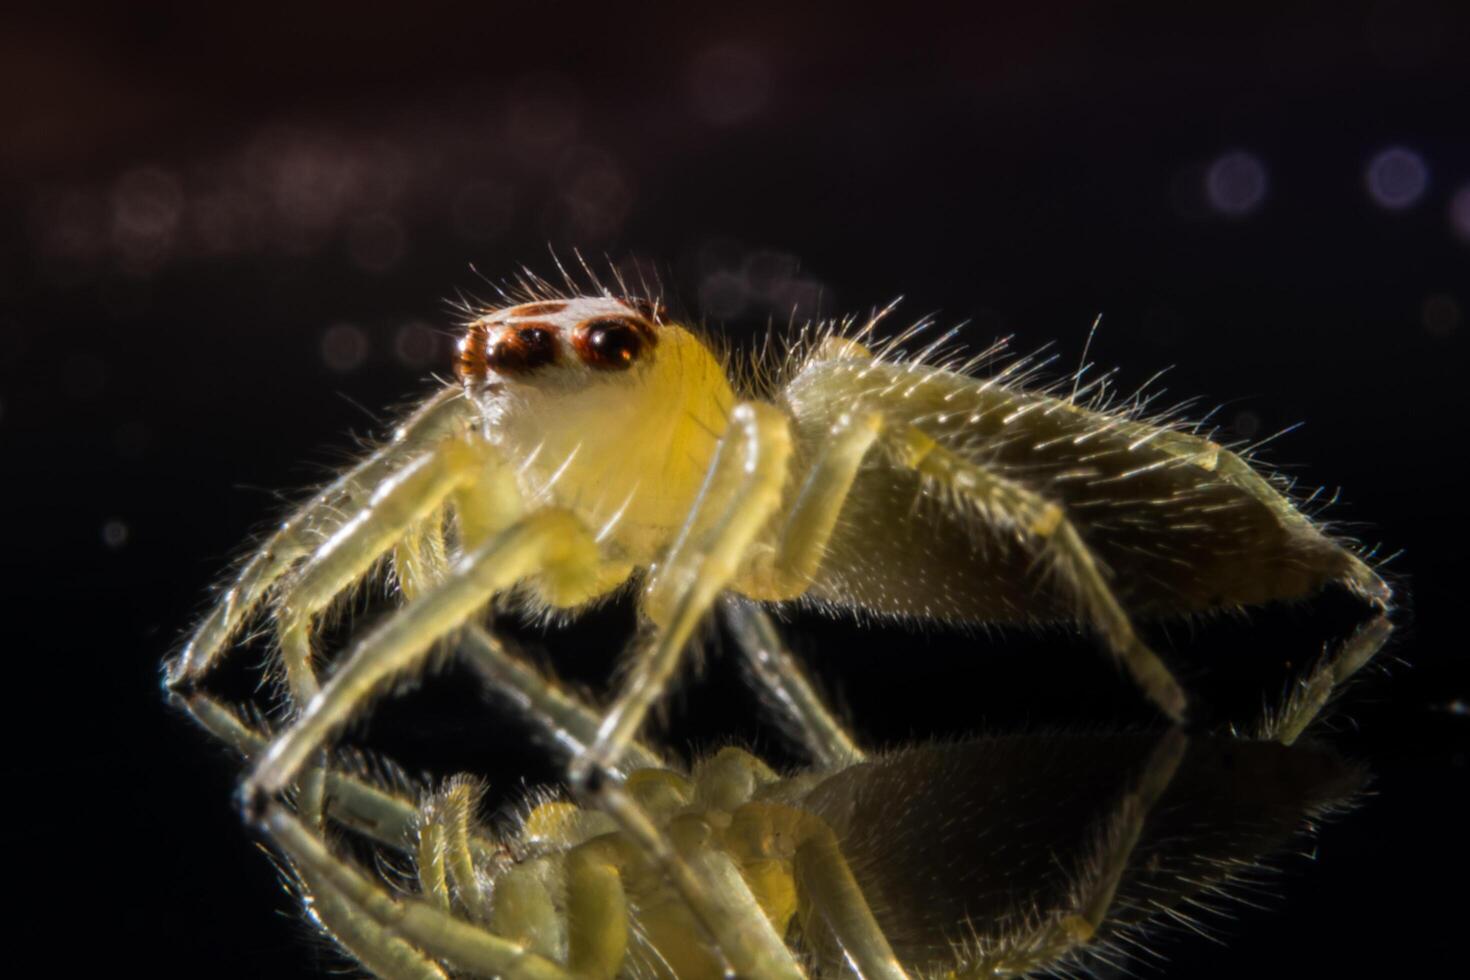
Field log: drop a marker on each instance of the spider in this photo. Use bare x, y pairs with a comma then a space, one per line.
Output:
592, 444
993, 856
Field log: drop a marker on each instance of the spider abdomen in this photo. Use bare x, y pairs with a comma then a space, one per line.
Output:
1179, 523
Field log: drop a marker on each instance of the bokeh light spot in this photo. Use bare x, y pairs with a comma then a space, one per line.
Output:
416, 345
723, 294
1441, 315
344, 347
147, 205
114, 534
1397, 178
729, 83
1246, 423
1236, 183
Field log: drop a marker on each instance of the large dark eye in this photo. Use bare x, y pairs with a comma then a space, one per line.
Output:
611, 343
523, 349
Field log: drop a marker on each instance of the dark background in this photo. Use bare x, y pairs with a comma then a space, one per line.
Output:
228, 240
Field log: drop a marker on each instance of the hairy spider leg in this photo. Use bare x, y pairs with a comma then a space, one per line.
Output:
447, 853
832, 895
1309, 695
1006, 503
564, 719
417, 920
316, 520
382, 815
445, 860
720, 546
549, 543
448, 846
567, 723
366, 939
916, 405
400, 507
405, 502
741, 490
1011, 504
824, 736
384, 492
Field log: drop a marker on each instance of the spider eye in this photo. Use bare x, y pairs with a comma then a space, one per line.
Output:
523, 349
612, 343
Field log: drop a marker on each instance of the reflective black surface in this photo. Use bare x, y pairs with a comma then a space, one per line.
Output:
229, 241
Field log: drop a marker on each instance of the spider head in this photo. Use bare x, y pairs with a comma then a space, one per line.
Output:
556, 344
618, 406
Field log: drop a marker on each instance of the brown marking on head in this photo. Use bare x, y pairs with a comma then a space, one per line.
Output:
471, 363
536, 309
613, 343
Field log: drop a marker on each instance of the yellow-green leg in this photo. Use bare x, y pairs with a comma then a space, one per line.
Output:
304, 530
741, 491
415, 921
719, 546
1044, 525
401, 505
785, 569
368, 941
830, 895
1312, 693
551, 542
773, 667
387, 816
715, 894
568, 724
447, 865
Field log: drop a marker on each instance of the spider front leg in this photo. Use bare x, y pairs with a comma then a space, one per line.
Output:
551, 543
803, 709
785, 572
396, 515
403, 919
401, 507
741, 490
315, 521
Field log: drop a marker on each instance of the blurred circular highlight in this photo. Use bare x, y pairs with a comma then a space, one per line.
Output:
344, 347
1236, 184
1396, 178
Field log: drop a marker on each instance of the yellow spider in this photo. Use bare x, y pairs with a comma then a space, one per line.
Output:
592, 444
